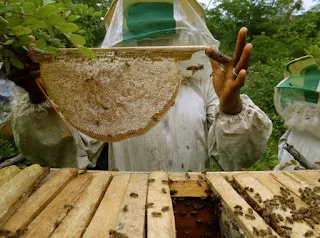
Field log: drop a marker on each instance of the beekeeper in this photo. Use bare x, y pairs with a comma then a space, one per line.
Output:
206, 121
297, 100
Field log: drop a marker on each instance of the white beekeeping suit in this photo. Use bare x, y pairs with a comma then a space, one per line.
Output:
297, 100
194, 130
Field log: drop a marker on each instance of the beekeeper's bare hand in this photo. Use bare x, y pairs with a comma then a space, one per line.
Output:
26, 77
227, 84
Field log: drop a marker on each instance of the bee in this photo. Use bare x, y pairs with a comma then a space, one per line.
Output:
269, 231
199, 183
187, 175
151, 180
250, 216
205, 172
255, 231
198, 221
173, 192
134, 195
165, 208
163, 190
286, 227
156, 214
57, 223
68, 206
251, 190
200, 177
125, 208
236, 212
280, 217
308, 234
237, 207
115, 234
250, 211
150, 204
193, 213
82, 171
183, 214
127, 64
195, 68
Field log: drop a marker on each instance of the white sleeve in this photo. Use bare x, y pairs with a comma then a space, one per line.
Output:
38, 130
237, 141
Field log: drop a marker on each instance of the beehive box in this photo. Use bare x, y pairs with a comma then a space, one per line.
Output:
72, 203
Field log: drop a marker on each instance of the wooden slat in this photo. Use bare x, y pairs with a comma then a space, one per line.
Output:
79, 217
4, 217
106, 216
230, 198
274, 186
133, 213
38, 201
298, 229
309, 177
188, 187
289, 182
164, 225
47, 221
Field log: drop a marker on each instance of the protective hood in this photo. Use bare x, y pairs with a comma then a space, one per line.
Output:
297, 97
156, 23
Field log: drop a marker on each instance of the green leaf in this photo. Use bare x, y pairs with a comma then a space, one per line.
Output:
90, 11
82, 32
29, 8
25, 40
67, 13
45, 11
8, 42
7, 65
46, 2
68, 27
17, 63
41, 44
2, 20
5, 8
97, 14
21, 30
72, 18
52, 50
55, 19
87, 52
8, 53
35, 23
14, 21
77, 39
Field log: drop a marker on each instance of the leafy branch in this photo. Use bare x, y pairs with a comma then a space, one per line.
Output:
43, 26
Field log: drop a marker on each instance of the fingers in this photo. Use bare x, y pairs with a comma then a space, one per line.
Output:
239, 82
212, 53
244, 60
241, 42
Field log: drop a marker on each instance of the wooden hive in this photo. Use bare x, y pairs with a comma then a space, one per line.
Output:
71, 203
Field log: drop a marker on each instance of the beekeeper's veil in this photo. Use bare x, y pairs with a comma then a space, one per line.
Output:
156, 23
131, 23
297, 97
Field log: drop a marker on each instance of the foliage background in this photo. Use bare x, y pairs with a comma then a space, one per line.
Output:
280, 30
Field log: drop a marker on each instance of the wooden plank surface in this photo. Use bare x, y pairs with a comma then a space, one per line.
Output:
78, 218
38, 201
275, 187
246, 180
106, 216
230, 198
309, 177
189, 185
132, 217
48, 220
22, 189
160, 217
